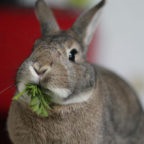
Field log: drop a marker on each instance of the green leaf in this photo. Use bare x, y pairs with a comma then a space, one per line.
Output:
39, 102
16, 97
34, 101
35, 108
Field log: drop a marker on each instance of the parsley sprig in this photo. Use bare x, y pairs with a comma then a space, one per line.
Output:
39, 102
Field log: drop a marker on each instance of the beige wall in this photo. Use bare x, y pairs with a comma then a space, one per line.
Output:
122, 40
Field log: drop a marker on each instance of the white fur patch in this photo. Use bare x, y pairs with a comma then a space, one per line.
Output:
24, 97
34, 76
91, 28
61, 92
82, 97
21, 87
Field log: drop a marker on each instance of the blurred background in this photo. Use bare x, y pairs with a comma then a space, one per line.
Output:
122, 41
118, 42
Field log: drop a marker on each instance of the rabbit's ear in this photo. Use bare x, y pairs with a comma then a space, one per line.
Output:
46, 18
85, 25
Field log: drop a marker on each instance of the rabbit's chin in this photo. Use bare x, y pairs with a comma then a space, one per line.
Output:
63, 96
58, 95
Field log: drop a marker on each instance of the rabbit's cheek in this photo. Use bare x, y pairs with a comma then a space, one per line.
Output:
58, 90
54, 81
57, 83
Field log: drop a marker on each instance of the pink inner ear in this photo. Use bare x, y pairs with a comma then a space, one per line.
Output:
18, 30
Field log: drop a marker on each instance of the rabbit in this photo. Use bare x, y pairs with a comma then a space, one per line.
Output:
90, 104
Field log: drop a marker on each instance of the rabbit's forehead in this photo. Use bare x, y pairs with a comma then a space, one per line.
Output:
59, 44
54, 49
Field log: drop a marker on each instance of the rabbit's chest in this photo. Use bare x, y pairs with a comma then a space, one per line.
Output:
79, 127
68, 130
72, 128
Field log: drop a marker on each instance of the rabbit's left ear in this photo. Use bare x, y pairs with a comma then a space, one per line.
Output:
46, 18
85, 25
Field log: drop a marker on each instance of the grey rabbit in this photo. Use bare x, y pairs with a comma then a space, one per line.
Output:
90, 104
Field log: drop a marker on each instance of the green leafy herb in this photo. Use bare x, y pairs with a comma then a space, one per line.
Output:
39, 100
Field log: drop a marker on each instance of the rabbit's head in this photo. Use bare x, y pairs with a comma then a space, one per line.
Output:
58, 60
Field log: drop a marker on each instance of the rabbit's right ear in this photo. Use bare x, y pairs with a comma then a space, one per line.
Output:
85, 25
46, 18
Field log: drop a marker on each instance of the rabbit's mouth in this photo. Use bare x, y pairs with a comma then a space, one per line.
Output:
57, 95
55, 91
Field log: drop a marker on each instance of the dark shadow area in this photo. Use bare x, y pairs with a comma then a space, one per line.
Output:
7, 2
4, 138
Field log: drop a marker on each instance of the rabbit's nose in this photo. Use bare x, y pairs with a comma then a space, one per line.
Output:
40, 70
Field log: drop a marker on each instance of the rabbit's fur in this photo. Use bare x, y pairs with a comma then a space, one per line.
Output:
91, 105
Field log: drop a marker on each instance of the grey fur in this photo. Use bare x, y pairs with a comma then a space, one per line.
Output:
112, 113
46, 18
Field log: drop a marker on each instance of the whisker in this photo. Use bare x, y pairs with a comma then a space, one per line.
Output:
4, 90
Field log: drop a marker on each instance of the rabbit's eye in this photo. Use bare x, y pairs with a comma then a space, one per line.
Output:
72, 55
